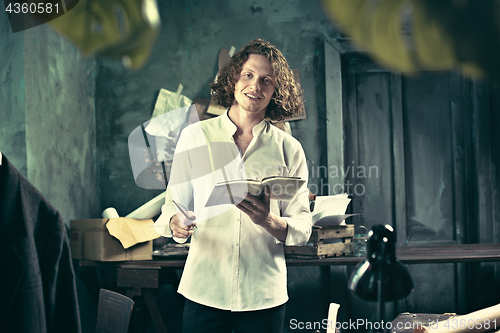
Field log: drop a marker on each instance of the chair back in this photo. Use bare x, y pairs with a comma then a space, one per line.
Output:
114, 312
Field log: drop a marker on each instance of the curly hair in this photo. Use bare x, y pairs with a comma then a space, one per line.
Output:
287, 97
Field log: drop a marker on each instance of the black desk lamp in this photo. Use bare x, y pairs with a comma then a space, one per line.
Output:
381, 277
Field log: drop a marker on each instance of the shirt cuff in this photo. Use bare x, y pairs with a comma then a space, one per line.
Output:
180, 240
162, 226
298, 232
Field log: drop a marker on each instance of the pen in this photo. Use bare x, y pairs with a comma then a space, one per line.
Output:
312, 201
184, 212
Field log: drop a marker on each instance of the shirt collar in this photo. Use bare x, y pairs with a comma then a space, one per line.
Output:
227, 123
230, 127
260, 127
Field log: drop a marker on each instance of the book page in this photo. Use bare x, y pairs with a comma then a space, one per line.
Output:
337, 203
234, 191
330, 220
330, 210
283, 188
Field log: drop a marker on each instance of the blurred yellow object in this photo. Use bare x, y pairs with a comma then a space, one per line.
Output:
124, 29
415, 35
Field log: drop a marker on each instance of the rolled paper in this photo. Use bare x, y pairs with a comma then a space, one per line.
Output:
332, 317
110, 213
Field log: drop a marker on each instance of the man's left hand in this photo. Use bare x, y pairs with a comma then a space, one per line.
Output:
257, 208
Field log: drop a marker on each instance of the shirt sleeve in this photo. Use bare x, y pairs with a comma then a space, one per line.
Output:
296, 212
179, 188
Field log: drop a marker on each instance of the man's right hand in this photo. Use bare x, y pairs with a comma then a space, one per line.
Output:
181, 226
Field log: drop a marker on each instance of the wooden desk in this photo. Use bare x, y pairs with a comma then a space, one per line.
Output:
461, 253
457, 253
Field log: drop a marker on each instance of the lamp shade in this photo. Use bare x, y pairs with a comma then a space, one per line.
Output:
381, 262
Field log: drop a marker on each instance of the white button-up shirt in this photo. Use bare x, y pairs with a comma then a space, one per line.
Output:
233, 263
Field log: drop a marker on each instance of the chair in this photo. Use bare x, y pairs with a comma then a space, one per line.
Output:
114, 312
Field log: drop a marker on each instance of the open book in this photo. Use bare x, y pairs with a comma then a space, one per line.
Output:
234, 191
329, 210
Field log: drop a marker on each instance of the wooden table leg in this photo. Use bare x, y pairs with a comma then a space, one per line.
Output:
325, 283
139, 282
153, 311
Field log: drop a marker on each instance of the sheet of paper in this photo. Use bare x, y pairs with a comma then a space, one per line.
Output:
150, 209
329, 210
130, 231
331, 220
169, 100
332, 317
169, 116
335, 204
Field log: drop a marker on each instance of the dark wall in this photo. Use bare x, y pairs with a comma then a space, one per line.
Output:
47, 124
432, 138
187, 53
12, 116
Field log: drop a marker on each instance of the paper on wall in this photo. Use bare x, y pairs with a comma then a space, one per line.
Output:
150, 209
170, 115
168, 101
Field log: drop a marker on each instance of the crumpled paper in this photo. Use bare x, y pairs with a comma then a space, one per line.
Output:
131, 231
152, 144
168, 119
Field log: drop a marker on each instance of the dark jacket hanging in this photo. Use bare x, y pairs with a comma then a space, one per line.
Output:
37, 281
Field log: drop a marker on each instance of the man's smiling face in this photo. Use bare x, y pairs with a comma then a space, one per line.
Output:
256, 84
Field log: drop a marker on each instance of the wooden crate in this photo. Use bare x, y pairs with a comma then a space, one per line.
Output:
320, 247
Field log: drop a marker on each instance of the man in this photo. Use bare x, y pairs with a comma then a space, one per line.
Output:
235, 273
